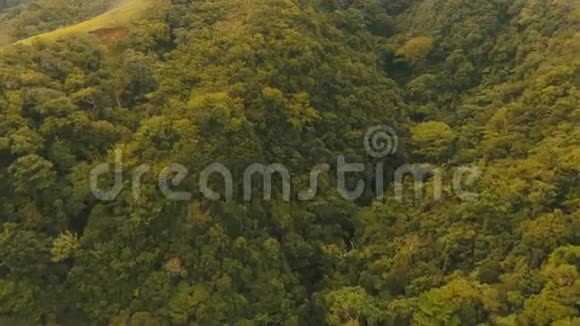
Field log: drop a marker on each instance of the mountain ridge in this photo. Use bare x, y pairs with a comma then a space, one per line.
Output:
120, 16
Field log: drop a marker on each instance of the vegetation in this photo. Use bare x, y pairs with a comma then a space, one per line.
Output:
26, 18
491, 84
118, 18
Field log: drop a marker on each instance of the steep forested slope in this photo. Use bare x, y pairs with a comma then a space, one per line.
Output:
490, 84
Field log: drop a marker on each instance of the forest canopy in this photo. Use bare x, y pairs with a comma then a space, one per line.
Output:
491, 85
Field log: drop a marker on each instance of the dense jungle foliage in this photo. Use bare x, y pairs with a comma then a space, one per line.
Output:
486, 83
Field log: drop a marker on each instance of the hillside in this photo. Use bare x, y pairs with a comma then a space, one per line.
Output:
125, 12
450, 130
117, 15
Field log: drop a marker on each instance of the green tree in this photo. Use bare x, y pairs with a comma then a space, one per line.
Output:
416, 49
31, 174
351, 306
433, 140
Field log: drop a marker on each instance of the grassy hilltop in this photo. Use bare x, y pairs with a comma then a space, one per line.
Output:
122, 14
